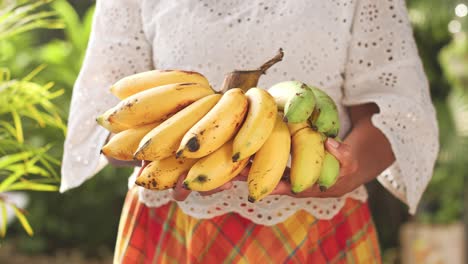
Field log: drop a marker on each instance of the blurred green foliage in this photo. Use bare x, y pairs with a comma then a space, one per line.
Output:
23, 102
87, 217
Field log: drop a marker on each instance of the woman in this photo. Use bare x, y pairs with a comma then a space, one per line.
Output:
360, 51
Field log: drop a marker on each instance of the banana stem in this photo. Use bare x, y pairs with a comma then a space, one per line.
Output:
277, 58
246, 79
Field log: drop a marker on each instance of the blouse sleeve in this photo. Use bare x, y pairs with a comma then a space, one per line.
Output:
384, 67
117, 47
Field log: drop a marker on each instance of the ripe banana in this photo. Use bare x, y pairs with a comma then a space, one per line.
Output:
123, 145
330, 171
155, 104
215, 128
269, 162
258, 124
136, 83
295, 99
294, 127
163, 141
163, 174
102, 120
307, 158
214, 170
325, 117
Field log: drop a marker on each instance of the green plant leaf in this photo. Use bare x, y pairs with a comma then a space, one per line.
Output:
32, 186
10, 180
33, 73
5, 161
8, 127
3, 227
23, 220
18, 126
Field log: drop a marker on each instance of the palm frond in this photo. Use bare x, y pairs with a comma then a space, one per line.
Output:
24, 18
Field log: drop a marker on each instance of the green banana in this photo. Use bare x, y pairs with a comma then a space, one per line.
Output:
329, 173
330, 170
295, 99
325, 117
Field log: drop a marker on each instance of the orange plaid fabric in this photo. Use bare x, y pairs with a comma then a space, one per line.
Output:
167, 235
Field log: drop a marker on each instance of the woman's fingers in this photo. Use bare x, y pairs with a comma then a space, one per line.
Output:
179, 192
343, 153
283, 188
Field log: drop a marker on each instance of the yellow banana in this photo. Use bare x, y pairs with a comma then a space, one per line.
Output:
307, 157
258, 124
215, 128
294, 127
136, 83
156, 104
123, 145
214, 170
102, 120
269, 162
163, 174
164, 140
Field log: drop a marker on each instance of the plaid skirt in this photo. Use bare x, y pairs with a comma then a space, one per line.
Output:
167, 235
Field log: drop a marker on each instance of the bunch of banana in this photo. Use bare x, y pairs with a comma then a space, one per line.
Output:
312, 116
163, 140
227, 161
184, 127
175, 120
149, 125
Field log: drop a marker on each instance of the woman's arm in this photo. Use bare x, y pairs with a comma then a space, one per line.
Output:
368, 144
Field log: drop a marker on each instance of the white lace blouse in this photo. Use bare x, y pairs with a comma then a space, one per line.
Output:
359, 51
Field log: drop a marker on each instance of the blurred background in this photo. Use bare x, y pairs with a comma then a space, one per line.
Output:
42, 44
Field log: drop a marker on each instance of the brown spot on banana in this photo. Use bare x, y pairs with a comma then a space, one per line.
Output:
193, 144
181, 86
201, 178
179, 153
236, 157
